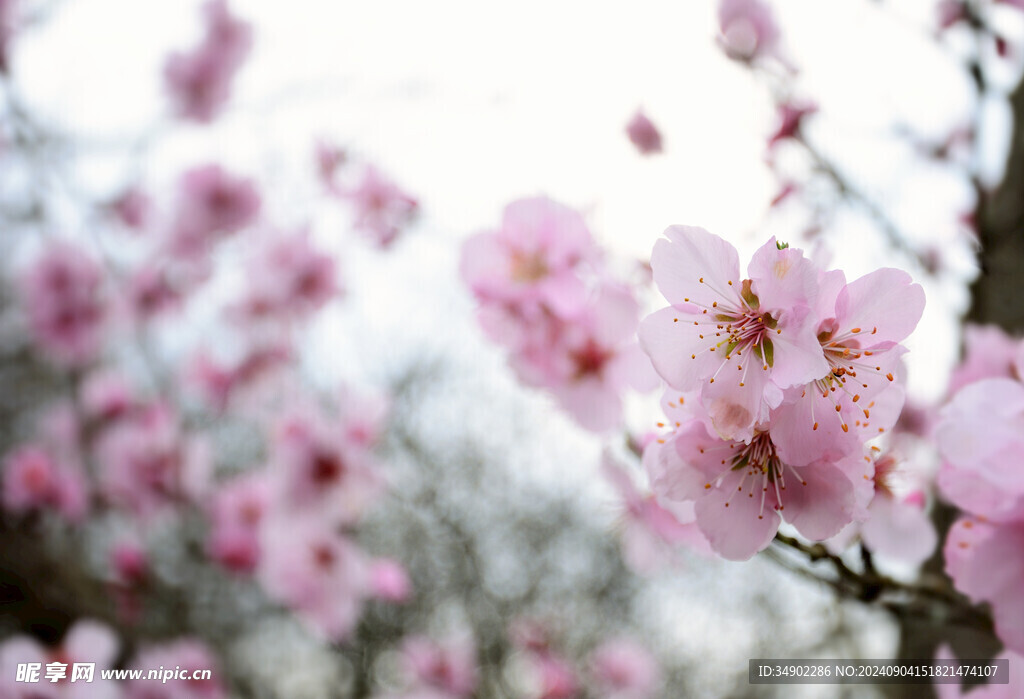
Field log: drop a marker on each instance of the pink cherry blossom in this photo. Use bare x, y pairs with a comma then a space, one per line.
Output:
289, 278
791, 116
552, 677
35, 481
595, 359
189, 655
315, 470
199, 81
740, 342
364, 414
986, 563
151, 292
448, 667
316, 572
748, 30
62, 297
650, 533
382, 209
988, 353
981, 435
531, 260
742, 490
148, 465
389, 581
329, 159
133, 208
644, 134
107, 395
212, 203
899, 528
236, 513
219, 383
859, 327
624, 669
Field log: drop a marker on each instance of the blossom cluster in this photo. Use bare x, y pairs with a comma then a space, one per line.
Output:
980, 434
199, 81
779, 381
545, 296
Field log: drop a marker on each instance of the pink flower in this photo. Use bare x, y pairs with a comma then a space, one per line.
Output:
532, 259
748, 30
754, 336
791, 116
554, 677
315, 470
448, 667
389, 581
313, 570
644, 134
650, 534
61, 294
148, 465
364, 415
151, 293
212, 204
329, 159
290, 278
133, 208
219, 384
382, 209
199, 82
34, 481
741, 490
236, 513
107, 395
859, 328
594, 359
899, 528
624, 669
188, 655
981, 436
988, 353
986, 563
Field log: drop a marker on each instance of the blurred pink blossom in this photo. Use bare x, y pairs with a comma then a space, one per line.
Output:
35, 481
644, 134
212, 204
447, 667
313, 570
382, 209
62, 297
289, 279
389, 581
748, 30
148, 465
199, 81
532, 259
624, 669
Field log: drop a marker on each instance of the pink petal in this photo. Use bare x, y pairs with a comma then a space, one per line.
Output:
821, 503
689, 255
